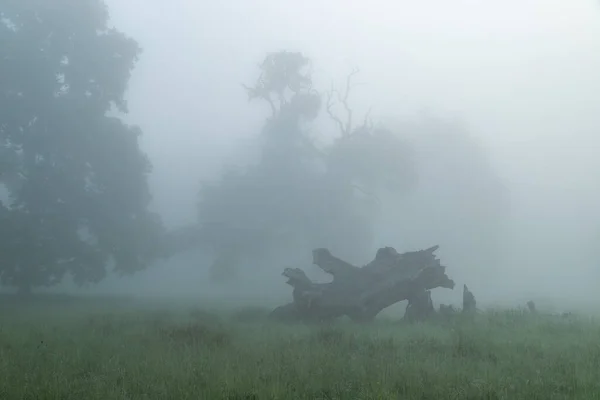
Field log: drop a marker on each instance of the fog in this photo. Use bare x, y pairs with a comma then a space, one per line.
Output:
520, 75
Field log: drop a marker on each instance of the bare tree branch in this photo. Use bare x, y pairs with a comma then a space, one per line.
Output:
368, 122
343, 98
258, 93
329, 106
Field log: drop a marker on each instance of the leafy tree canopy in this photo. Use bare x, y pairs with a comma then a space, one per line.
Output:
299, 194
76, 177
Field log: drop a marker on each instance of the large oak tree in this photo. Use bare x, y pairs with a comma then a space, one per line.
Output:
75, 176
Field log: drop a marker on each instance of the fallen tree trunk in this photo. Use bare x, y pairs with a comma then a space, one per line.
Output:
362, 293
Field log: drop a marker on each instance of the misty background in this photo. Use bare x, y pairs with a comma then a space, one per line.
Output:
518, 79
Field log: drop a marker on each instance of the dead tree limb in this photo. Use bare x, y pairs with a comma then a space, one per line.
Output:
361, 293
346, 128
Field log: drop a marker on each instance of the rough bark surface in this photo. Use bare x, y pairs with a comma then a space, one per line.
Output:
363, 292
419, 307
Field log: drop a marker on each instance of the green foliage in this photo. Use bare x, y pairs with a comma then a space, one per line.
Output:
91, 351
76, 177
283, 73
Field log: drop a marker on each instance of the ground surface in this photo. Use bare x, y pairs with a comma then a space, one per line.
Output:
119, 349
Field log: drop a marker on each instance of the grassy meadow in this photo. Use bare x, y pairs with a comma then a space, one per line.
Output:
64, 348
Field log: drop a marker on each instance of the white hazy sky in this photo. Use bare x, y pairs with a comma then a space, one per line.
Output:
523, 74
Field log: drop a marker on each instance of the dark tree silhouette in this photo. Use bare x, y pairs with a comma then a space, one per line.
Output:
301, 195
76, 177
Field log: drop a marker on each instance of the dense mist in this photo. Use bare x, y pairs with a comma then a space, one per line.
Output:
498, 101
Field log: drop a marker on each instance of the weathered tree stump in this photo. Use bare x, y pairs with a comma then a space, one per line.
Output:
469, 303
447, 311
420, 307
363, 292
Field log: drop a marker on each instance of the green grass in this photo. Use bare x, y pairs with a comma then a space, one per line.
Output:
103, 350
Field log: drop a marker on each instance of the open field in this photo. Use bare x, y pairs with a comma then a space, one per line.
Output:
118, 349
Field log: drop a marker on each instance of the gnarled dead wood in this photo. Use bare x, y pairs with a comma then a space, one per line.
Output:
363, 292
